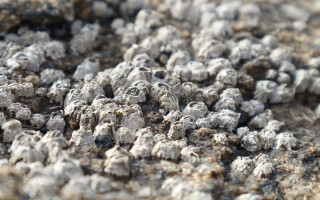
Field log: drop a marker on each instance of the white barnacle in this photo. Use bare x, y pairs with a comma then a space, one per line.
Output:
228, 119
269, 41
242, 164
189, 121
207, 95
132, 117
128, 56
158, 89
242, 131
261, 120
139, 73
228, 77
264, 90
283, 78
82, 138
233, 93
54, 50
211, 49
148, 18
220, 138
263, 166
172, 116
252, 107
177, 130
287, 67
117, 162
274, 125
283, 94
252, 141
58, 90
123, 135
315, 85
144, 144
56, 122
6, 97
23, 114
179, 58
48, 76
188, 154
196, 109
279, 55
84, 40
204, 122
10, 130
193, 71
286, 140
168, 102
90, 90
166, 150
187, 92
269, 138
134, 95
88, 66
225, 103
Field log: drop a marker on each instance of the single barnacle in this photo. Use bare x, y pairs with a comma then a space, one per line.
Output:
168, 102
287, 67
48, 76
315, 85
143, 145
283, 94
123, 135
90, 90
286, 140
172, 116
151, 46
128, 38
166, 150
104, 129
6, 97
134, 95
72, 95
211, 49
167, 34
220, 138
144, 86
258, 50
58, 90
229, 10
37, 120
14, 108
227, 76
207, 19
139, 73
198, 72
187, 92
189, 121
269, 41
226, 119
240, 53
123, 68
174, 85
132, 118
269, 138
207, 95
27, 154
263, 166
88, 66
233, 93
225, 103
143, 60
51, 140
279, 55
117, 162
252, 141
221, 28
54, 50
3, 80
188, 154
22, 90
148, 18
283, 78
82, 138
24, 114
73, 112
196, 109
252, 107
56, 122
177, 59
10, 130
274, 125
242, 164
204, 123
264, 90
87, 118
217, 64
261, 120
177, 130
84, 39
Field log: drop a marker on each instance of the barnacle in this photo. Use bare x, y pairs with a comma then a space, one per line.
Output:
166, 150
242, 164
10, 130
252, 107
117, 162
286, 140
196, 109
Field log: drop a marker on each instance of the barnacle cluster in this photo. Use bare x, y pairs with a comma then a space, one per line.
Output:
170, 99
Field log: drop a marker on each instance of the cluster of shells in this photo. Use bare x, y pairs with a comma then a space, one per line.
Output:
186, 104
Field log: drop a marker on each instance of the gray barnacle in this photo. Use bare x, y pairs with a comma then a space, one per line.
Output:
27, 154
271, 74
90, 90
269, 41
263, 166
24, 89
172, 116
132, 117
177, 59
168, 102
269, 138
240, 53
204, 123
264, 90
82, 138
148, 18
84, 40
131, 53
287, 67
139, 73
23, 114
207, 95
117, 80
167, 34
229, 10
58, 90
73, 112
117, 162
151, 46
283, 78
233, 93
143, 60
123, 68
189, 122
187, 92
227, 119
144, 144
54, 50
197, 70
104, 129
72, 95
286, 140
174, 85
217, 64
48, 76
196, 109
227, 76
207, 19
88, 66
225, 103
261, 120
252, 141
134, 95
144, 86
220, 138
87, 118
252, 107
188, 154
6, 97
279, 55
274, 125
123, 135
166, 150
56, 122
242, 164
211, 49
283, 94
177, 130
10, 130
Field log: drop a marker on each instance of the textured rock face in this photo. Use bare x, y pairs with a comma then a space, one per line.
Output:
155, 99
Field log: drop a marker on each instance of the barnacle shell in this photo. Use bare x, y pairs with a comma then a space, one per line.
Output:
166, 150
117, 162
